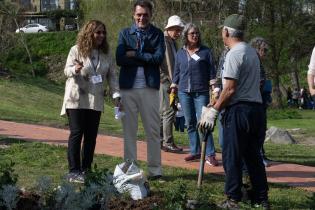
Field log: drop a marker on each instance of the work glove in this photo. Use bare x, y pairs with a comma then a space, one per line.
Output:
208, 119
172, 99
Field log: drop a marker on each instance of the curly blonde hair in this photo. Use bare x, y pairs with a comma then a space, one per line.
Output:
85, 39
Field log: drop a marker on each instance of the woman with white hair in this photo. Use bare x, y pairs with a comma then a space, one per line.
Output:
194, 71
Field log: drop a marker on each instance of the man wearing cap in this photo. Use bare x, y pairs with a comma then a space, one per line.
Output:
172, 32
243, 117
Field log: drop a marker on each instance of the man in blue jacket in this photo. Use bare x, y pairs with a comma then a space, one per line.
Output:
139, 53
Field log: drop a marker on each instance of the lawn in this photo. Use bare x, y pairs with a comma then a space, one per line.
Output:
34, 160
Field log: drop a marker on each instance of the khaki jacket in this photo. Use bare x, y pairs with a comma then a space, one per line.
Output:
167, 67
80, 92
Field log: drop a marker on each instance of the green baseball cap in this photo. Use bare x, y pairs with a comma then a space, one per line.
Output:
235, 21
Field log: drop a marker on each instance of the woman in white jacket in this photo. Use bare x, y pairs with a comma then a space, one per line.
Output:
89, 65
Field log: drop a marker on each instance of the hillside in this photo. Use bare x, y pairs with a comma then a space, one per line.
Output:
49, 52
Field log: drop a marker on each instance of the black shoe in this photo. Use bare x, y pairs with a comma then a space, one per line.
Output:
229, 204
265, 205
171, 148
158, 178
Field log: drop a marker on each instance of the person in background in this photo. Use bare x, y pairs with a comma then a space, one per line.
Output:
261, 46
89, 66
217, 90
172, 32
193, 75
295, 97
289, 97
179, 119
139, 53
311, 75
304, 99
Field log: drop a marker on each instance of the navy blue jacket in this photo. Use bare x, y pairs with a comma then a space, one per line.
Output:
192, 75
150, 58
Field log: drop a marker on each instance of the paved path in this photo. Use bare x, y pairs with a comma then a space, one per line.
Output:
290, 174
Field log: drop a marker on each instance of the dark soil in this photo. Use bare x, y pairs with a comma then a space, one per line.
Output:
29, 201
147, 203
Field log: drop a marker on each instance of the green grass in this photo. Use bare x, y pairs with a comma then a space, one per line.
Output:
39, 101
304, 119
300, 154
33, 160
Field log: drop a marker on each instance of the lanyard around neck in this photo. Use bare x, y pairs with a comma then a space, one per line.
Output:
98, 60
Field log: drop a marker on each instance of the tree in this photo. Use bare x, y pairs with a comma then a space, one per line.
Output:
288, 28
10, 10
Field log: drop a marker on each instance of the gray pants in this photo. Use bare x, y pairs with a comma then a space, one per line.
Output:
167, 114
143, 101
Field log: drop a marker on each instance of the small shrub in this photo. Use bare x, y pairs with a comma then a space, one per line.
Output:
7, 175
40, 69
176, 196
9, 195
45, 189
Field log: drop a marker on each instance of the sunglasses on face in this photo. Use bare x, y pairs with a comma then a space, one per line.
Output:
193, 33
100, 32
265, 50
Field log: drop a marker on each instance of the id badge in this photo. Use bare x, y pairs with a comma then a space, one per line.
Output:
195, 57
96, 79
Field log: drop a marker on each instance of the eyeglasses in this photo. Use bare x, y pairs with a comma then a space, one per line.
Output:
265, 50
194, 33
100, 32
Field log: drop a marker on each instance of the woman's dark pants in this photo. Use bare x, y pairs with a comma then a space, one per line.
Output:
83, 123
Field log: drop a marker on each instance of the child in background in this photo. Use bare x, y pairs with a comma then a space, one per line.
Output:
179, 119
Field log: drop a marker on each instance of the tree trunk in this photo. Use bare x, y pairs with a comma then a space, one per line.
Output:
277, 102
26, 48
295, 79
294, 74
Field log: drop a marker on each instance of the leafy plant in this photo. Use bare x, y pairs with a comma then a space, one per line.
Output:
9, 195
7, 175
176, 195
45, 189
99, 186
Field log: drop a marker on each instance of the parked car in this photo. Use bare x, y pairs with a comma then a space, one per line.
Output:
32, 28
70, 27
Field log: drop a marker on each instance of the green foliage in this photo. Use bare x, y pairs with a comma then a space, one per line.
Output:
96, 175
59, 13
42, 46
7, 175
176, 195
115, 14
45, 188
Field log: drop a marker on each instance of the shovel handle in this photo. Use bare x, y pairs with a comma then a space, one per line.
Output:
202, 159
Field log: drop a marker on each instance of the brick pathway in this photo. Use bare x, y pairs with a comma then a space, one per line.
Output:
290, 174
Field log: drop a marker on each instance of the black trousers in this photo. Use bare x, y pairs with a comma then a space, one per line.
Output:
243, 130
83, 123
